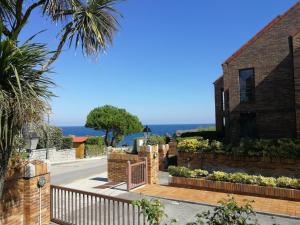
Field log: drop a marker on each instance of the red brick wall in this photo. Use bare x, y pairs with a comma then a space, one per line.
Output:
21, 200
251, 165
272, 59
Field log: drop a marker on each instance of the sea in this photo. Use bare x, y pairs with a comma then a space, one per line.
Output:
169, 129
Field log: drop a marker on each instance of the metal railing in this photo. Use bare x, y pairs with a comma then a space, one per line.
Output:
137, 174
70, 206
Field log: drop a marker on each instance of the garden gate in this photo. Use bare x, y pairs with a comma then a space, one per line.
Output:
137, 174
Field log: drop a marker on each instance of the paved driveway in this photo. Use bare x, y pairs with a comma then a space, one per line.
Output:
65, 173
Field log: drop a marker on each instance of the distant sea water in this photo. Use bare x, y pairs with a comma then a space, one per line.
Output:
128, 140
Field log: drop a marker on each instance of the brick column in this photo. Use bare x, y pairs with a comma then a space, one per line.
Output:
151, 153
24, 202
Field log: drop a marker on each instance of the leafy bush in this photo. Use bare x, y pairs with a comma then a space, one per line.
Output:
218, 176
193, 145
49, 136
156, 140
95, 150
67, 143
216, 146
94, 140
228, 213
242, 178
153, 210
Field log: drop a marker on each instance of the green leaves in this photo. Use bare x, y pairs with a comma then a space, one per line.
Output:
115, 122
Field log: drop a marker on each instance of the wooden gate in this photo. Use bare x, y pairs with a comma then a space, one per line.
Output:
75, 207
137, 174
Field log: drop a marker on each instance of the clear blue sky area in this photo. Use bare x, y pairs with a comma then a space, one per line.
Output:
163, 62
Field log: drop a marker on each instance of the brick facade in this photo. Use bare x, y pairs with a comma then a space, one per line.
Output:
251, 165
21, 201
273, 54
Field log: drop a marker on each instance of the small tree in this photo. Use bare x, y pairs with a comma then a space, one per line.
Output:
115, 122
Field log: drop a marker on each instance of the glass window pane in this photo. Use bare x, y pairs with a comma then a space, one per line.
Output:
247, 85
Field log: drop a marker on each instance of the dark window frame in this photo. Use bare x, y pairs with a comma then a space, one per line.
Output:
252, 98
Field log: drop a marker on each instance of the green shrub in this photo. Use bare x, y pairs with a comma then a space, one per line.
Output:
95, 150
188, 145
228, 213
49, 136
200, 173
193, 145
94, 140
67, 143
218, 176
156, 140
216, 146
181, 172
266, 181
287, 182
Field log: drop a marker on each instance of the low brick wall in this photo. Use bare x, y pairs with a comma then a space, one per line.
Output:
117, 164
230, 163
247, 189
21, 199
53, 154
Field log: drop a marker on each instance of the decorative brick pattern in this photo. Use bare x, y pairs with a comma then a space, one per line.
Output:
229, 163
269, 192
21, 201
273, 57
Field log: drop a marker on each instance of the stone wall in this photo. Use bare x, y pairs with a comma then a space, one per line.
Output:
229, 163
53, 154
117, 164
21, 203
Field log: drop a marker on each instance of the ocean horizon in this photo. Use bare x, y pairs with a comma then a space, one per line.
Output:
158, 129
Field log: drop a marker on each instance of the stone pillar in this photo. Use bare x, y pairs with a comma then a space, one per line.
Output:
24, 202
163, 156
151, 153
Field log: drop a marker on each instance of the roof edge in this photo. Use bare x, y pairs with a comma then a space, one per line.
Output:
261, 32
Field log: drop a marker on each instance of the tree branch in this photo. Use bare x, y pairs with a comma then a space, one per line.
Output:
15, 32
59, 47
4, 30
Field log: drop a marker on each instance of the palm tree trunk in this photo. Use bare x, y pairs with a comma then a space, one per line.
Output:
3, 169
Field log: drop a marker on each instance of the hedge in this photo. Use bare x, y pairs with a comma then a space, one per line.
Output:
242, 178
67, 143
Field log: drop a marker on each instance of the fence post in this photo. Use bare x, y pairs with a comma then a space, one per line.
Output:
128, 176
146, 170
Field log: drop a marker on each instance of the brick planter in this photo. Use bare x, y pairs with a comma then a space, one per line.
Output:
234, 188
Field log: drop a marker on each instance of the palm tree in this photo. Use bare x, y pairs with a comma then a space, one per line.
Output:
24, 90
87, 24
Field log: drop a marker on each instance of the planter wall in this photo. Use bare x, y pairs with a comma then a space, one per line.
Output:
247, 189
230, 163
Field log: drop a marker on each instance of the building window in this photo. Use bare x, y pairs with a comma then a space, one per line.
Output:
248, 125
247, 85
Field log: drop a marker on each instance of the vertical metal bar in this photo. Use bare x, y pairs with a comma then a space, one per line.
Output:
100, 209
113, 202
69, 203
128, 176
51, 202
118, 213
146, 171
79, 209
128, 214
133, 214
104, 211
108, 211
123, 213
65, 208
83, 208
96, 210
76, 210
72, 207
88, 209
58, 203
139, 215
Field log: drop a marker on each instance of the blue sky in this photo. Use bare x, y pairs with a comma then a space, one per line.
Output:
163, 62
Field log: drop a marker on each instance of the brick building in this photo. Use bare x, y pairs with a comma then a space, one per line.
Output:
258, 95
